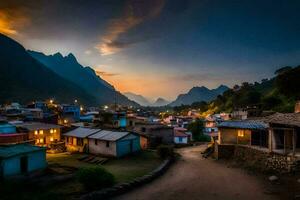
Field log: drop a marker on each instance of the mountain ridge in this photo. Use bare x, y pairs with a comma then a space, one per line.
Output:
197, 93
85, 77
25, 79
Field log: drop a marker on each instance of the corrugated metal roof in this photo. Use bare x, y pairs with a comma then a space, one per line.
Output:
108, 135
82, 132
31, 126
13, 150
243, 124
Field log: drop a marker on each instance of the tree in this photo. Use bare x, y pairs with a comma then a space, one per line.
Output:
95, 177
196, 128
288, 83
283, 70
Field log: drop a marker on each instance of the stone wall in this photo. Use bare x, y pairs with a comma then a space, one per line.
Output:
224, 151
262, 160
253, 158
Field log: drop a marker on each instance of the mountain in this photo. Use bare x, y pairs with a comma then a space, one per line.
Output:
197, 94
23, 78
137, 98
160, 102
84, 77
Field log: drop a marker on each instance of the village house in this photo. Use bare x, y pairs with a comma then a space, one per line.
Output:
9, 135
156, 133
211, 126
102, 142
180, 136
77, 139
21, 159
70, 113
273, 140
43, 134
113, 143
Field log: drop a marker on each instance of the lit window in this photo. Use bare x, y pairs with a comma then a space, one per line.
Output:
37, 141
41, 132
54, 130
241, 133
65, 121
35, 132
51, 139
41, 140
51, 131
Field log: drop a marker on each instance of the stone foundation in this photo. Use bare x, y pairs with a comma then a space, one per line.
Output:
256, 159
224, 151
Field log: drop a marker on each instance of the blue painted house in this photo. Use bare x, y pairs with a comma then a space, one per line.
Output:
119, 120
6, 128
114, 143
21, 159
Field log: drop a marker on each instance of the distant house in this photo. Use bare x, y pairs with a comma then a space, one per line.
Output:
77, 139
180, 136
43, 134
33, 113
21, 159
9, 135
113, 143
239, 114
69, 114
5, 128
210, 127
119, 120
157, 133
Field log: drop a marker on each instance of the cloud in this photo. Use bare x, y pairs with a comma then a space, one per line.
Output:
88, 52
135, 13
194, 77
12, 20
102, 73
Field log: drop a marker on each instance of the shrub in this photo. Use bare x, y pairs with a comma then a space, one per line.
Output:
95, 178
165, 151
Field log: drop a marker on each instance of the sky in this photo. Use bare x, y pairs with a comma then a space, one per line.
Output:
161, 48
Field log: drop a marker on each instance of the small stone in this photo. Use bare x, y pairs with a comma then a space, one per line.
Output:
298, 180
273, 178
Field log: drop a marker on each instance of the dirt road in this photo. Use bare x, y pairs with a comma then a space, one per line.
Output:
194, 177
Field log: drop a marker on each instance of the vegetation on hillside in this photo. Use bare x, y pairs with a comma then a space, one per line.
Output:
278, 94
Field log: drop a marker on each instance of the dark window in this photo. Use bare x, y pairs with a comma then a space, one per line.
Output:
107, 143
180, 139
143, 129
96, 142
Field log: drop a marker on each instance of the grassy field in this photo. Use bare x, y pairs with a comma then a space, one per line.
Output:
124, 169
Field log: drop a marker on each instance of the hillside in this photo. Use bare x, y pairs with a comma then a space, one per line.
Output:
198, 94
23, 78
278, 94
84, 77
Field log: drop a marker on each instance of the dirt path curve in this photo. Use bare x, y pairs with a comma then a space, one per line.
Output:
194, 177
